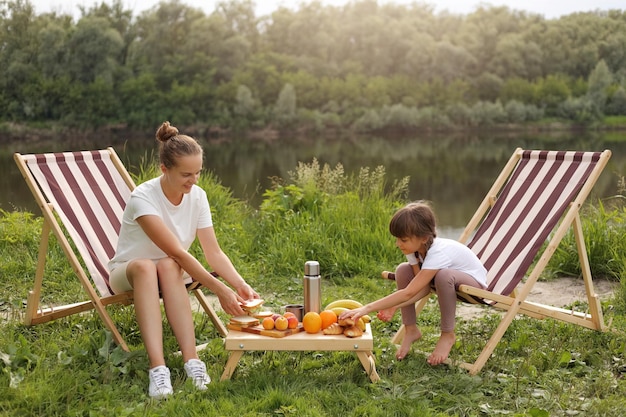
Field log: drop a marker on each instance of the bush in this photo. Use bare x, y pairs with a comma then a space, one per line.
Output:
617, 102
399, 117
369, 121
459, 114
579, 109
485, 113
432, 118
516, 111
604, 230
324, 214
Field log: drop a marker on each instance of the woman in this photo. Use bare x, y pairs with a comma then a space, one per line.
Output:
162, 218
431, 262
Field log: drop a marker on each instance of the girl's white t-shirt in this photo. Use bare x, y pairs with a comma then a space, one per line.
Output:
183, 220
451, 254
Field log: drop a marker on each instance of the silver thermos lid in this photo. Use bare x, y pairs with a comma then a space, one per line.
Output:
312, 268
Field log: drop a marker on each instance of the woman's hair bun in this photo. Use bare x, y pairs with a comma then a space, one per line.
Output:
165, 132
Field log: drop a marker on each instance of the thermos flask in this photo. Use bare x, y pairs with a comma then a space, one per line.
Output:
312, 287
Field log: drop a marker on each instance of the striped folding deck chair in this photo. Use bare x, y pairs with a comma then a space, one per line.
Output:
533, 202
83, 195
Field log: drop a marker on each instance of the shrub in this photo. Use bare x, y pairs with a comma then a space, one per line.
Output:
430, 117
399, 116
485, 113
617, 102
604, 230
325, 214
369, 121
459, 114
579, 109
516, 111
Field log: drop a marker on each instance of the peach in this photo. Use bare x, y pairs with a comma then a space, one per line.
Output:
281, 323
268, 323
292, 322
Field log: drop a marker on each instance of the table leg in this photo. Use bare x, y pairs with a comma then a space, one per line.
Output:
369, 364
231, 364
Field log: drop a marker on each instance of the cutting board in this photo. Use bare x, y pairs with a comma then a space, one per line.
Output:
263, 332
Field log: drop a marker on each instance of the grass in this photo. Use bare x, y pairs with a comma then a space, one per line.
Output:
70, 367
604, 226
615, 121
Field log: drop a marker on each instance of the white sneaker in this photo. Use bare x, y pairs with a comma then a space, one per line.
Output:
160, 382
196, 370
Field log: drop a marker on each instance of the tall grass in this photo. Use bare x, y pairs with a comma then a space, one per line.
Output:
323, 214
70, 367
604, 228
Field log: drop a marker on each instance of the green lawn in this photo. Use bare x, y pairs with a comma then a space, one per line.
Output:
70, 367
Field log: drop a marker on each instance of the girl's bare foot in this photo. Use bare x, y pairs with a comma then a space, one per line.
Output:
386, 314
411, 334
442, 349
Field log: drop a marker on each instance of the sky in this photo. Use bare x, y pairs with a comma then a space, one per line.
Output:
550, 9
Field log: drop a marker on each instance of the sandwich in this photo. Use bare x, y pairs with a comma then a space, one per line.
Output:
262, 314
252, 307
244, 321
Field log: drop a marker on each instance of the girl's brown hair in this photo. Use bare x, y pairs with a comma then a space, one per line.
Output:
172, 145
415, 219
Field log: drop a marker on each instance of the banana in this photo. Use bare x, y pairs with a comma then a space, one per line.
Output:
338, 310
361, 324
347, 303
366, 318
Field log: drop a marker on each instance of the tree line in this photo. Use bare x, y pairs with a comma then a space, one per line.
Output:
364, 66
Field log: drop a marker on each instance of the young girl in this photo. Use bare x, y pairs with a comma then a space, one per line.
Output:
431, 262
162, 218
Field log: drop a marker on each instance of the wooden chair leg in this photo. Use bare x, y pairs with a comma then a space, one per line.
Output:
208, 308
32, 305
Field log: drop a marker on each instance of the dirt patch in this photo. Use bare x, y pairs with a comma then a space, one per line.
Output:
558, 292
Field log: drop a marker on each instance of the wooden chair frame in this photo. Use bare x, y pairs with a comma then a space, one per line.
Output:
516, 303
35, 314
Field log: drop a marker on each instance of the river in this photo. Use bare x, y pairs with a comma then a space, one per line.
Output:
454, 172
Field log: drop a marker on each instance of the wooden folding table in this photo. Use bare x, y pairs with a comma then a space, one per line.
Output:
237, 343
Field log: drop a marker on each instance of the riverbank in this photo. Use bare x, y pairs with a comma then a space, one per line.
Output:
55, 131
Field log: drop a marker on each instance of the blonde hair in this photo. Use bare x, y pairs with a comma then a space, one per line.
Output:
173, 145
416, 219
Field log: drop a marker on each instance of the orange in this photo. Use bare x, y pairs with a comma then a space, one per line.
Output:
312, 322
328, 317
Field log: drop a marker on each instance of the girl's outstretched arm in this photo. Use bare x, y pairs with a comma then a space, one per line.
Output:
411, 293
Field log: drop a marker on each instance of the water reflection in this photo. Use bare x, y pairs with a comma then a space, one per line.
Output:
454, 172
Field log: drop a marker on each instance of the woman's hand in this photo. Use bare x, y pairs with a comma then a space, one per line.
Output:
231, 302
246, 292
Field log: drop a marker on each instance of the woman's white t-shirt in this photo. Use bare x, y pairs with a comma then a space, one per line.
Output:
451, 254
183, 220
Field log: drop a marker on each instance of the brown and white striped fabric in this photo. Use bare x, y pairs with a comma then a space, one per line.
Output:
526, 211
89, 195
